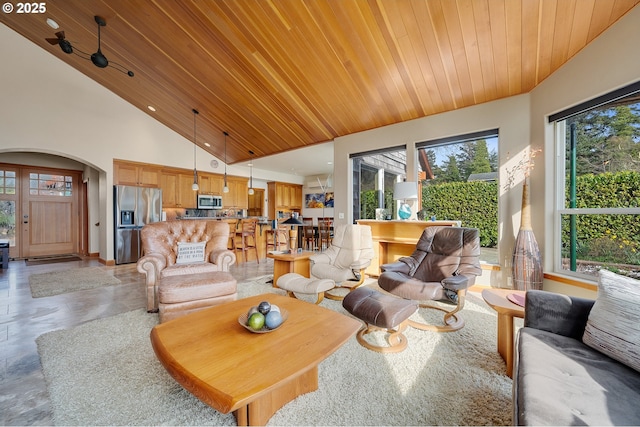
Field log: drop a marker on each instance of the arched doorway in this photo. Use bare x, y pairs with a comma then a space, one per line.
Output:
42, 207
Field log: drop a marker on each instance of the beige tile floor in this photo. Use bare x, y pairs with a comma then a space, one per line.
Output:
23, 393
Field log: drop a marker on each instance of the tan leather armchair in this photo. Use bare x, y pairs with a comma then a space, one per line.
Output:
443, 266
344, 261
160, 248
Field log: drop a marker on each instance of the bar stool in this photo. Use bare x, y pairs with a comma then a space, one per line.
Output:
248, 238
233, 225
276, 238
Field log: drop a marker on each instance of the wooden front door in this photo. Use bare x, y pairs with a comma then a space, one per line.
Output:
49, 212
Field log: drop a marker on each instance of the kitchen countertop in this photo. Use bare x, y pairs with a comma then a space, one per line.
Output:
222, 218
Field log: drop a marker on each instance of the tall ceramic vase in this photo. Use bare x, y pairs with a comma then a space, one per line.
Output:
526, 262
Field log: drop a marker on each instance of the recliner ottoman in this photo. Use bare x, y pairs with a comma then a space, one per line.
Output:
380, 312
296, 283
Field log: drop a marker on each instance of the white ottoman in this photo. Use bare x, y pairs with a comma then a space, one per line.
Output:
294, 282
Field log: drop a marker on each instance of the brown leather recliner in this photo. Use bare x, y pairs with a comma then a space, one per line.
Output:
443, 266
160, 248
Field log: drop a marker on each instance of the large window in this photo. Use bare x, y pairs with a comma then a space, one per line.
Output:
598, 197
374, 174
460, 182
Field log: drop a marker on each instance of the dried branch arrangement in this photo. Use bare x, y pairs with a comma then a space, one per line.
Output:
524, 166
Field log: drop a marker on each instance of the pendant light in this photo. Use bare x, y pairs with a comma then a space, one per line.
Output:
225, 189
194, 186
251, 174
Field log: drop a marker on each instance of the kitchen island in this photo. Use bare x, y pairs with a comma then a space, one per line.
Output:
396, 238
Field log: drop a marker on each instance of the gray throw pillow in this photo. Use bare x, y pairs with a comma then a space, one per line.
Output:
613, 327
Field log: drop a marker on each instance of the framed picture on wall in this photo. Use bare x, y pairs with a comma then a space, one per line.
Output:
328, 200
318, 200
314, 200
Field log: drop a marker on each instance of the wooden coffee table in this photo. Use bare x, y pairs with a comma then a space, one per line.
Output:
497, 299
232, 369
290, 263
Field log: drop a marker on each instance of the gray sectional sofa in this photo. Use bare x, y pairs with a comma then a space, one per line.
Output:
561, 380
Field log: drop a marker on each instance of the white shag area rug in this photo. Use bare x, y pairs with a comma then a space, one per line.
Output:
76, 279
105, 373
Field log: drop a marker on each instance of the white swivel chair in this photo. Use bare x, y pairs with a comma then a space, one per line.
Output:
344, 261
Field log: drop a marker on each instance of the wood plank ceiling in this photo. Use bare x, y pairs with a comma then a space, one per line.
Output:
284, 74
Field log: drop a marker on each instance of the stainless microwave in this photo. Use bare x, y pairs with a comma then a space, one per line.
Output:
208, 201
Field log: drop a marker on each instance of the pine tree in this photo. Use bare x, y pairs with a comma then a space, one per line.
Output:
480, 162
451, 173
607, 139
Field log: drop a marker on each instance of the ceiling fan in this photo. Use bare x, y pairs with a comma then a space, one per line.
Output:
98, 59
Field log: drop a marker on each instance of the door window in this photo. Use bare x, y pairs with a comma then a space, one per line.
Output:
8, 206
45, 184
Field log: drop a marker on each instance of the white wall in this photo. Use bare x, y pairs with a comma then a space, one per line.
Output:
46, 106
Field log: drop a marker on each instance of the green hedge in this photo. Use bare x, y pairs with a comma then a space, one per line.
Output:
476, 205
606, 237
369, 203
473, 203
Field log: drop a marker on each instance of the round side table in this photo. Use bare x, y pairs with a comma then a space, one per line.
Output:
497, 299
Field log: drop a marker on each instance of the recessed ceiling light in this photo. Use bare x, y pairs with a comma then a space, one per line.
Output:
329, 163
53, 24
151, 108
207, 144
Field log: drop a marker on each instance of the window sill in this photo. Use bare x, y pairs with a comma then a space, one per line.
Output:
572, 281
490, 267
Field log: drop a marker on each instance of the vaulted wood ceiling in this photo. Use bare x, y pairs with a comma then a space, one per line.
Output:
284, 74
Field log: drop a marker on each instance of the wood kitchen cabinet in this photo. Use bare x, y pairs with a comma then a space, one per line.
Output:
187, 197
169, 186
238, 196
296, 198
210, 183
136, 174
176, 184
283, 197
176, 190
204, 183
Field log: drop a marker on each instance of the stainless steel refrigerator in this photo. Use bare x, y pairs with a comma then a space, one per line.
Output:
134, 207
